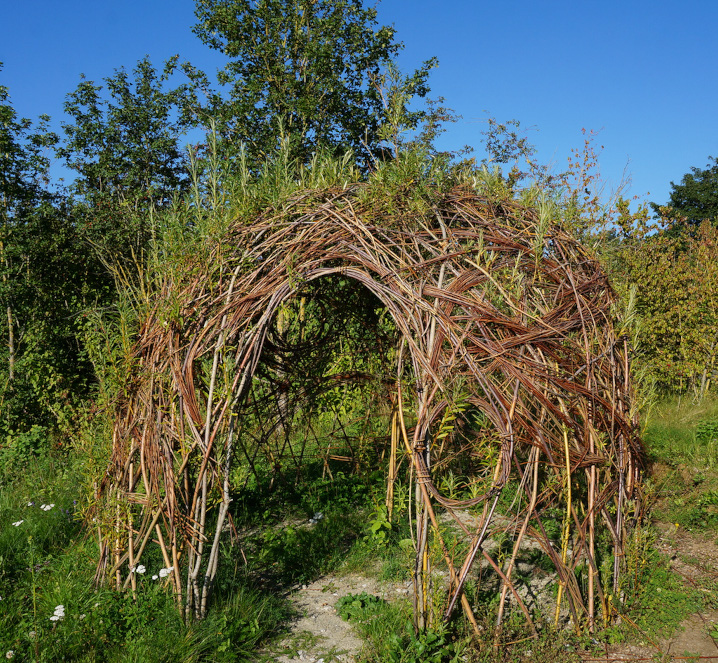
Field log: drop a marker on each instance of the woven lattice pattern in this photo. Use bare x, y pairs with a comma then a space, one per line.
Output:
488, 300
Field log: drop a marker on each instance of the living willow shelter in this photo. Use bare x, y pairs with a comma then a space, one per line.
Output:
490, 347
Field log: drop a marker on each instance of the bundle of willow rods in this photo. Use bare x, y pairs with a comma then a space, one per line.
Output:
488, 299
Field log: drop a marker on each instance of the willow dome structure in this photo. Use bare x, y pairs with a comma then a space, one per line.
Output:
495, 312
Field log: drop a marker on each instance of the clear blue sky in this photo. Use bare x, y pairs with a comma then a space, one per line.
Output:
644, 73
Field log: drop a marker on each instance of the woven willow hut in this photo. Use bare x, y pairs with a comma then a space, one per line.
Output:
494, 312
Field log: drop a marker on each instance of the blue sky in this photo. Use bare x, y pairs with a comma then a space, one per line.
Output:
644, 74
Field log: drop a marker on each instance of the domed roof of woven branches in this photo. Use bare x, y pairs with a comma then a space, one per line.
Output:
494, 308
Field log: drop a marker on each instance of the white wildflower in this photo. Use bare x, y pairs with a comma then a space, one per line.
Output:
46, 507
10, 654
165, 572
140, 568
18, 523
155, 577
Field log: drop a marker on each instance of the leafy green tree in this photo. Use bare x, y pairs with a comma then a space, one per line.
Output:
695, 198
675, 276
44, 284
307, 71
124, 143
20, 168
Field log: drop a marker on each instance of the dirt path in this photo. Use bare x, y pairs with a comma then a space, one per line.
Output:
319, 635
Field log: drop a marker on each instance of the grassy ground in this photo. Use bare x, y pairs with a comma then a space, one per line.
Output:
682, 442
47, 564
676, 549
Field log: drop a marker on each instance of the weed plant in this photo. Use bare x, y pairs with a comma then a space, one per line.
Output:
389, 634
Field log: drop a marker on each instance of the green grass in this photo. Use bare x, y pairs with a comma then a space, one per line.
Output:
681, 440
48, 560
682, 443
679, 432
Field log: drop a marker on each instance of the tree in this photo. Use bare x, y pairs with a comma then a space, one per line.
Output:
20, 168
695, 198
125, 147
43, 285
303, 70
675, 276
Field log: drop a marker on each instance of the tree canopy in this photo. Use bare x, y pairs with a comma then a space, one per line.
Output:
305, 70
124, 143
46, 279
696, 197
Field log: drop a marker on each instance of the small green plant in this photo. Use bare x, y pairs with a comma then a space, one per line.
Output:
702, 511
356, 606
20, 448
451, 485
379, 526
390, 635
430, 646
707, 431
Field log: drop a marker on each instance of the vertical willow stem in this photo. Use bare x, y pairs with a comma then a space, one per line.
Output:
391, 479
422, 574
566, 524
533, 462
118, 548
130, 535
591, 539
